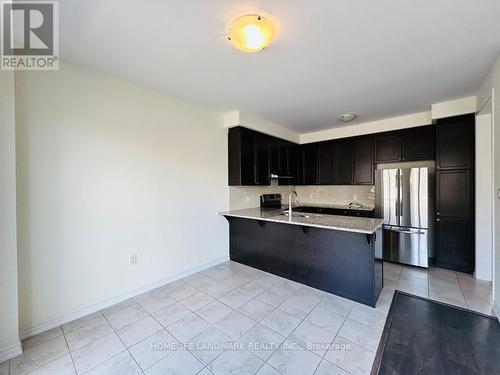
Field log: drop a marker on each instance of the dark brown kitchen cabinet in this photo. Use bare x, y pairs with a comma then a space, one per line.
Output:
299, 172
326, 163
288, 164
388, 148
455, 244
310, 156
286, 158
281, 156
263, 171
241, 157
363, 161
254, 156
455, 142
248, 157
344, 162
453, 193
275, 159
419, 143
455, 216
413, 144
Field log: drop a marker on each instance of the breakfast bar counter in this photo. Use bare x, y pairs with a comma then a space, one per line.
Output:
336, 222
336, 254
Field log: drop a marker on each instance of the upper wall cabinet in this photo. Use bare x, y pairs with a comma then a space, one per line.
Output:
344, 162
455, 142
310, 163
412, 144
326, 165
281, 156
248, 158
254, 157
287, 164
363, 161
388, 148
419, 143
262, 167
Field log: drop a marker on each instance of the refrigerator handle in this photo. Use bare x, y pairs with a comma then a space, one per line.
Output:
400, 195
407, 231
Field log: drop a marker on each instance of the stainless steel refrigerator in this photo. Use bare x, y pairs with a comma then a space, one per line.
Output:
404, 199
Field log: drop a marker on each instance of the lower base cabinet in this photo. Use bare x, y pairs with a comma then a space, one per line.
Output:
455, 244
340, 262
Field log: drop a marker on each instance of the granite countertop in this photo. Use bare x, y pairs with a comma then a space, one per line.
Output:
334, 206
334, 222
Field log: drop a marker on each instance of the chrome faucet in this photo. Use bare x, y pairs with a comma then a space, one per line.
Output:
290, 203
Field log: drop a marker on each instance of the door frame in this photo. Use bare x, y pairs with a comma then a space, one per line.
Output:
486, 110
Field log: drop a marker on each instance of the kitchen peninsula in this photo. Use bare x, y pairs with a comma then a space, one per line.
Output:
337, 254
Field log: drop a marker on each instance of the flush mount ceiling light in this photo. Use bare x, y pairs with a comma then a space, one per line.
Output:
251, 33
348, 117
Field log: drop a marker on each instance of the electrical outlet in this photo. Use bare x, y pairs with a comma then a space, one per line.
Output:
132, 260
248, 199
355, 197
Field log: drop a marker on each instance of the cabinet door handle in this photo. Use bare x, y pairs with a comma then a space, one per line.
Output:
437, 213
438, 219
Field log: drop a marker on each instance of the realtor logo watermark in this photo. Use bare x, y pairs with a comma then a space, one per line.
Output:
29, 35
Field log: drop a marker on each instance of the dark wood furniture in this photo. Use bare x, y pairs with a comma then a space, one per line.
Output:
337, 262
419, 143
455, 142
248, 160
363, 161
413, 144
326, 160
254, 156
455, 217
388, 148
310, 155
344, 162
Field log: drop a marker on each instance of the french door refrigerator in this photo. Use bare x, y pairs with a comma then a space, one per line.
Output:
403, 198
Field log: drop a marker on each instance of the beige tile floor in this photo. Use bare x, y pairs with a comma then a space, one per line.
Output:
232, 319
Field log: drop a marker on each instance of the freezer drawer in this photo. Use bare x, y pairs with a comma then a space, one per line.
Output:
406, 245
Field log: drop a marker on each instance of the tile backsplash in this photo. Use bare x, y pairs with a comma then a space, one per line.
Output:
249, 196
337, 194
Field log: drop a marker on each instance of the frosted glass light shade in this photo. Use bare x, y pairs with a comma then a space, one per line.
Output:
251, 33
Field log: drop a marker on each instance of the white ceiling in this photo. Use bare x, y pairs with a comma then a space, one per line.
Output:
380, 58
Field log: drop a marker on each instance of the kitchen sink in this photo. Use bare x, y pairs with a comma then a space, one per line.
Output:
297, 214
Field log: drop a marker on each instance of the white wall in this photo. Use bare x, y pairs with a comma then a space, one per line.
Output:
9, 324
238, 118
455, 107
393, 123
491, 88
107, 169
437, 110
484, 197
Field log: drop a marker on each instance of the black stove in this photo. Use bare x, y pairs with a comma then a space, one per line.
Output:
270, 201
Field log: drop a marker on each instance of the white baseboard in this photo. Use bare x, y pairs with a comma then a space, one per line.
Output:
66, 318
10, 352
